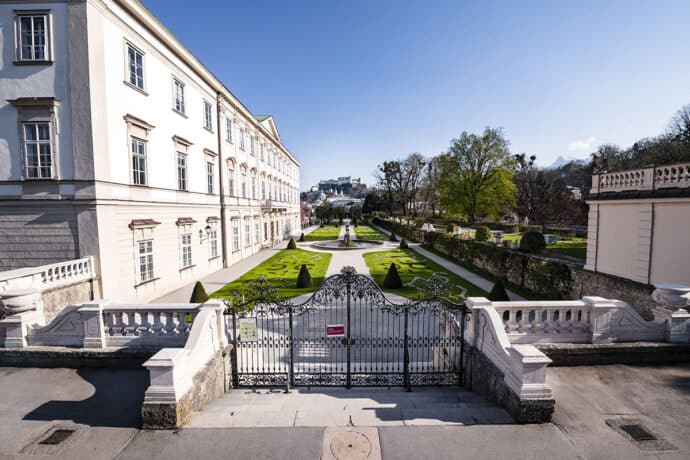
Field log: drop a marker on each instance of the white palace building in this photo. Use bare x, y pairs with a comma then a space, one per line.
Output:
116, 142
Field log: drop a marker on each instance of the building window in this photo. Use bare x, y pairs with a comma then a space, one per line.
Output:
251, 145
247, 235
208, 116
210, 169
38, 147
263, 190
228, 130
253, 187
145, 260
236, 237
138, 161
257, 233
186, 242
33, 37
242, 138
135, 61
231, 181
213, 244
181, 171
265, 231
179, 96
261, 152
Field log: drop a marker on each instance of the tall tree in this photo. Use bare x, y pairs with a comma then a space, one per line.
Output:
475, 175
400, 179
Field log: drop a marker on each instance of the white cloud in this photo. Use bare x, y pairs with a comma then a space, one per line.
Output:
582, 145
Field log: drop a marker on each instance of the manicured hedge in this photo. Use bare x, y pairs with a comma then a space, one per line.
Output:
552, 279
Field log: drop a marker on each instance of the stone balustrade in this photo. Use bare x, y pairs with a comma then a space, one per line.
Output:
546, 321
48, 276
165, 323
653, 178
589, 320
102, 324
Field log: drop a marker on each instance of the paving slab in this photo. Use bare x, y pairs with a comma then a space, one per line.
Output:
297, 443
101, 406
343, 407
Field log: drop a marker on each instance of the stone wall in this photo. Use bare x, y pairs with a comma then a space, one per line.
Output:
550, 278
75, 358
635, 353
209, 384
37, 235
483, 377
55, 300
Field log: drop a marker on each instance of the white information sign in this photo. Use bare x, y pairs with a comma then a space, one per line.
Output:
248, 332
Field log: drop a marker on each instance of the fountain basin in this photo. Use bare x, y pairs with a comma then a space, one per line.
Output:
338, 244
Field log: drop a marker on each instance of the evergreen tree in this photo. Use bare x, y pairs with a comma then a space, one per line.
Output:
392, 280
304, 278
498, 292
292, 244
198, 294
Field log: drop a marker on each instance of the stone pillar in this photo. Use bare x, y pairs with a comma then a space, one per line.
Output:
23, 308
600, 318
673, 301
94, 331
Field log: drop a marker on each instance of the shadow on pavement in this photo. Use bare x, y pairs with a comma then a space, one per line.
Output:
116, 401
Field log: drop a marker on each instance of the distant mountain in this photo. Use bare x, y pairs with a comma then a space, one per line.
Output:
560, 161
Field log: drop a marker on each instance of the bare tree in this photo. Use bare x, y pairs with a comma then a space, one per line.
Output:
679, 126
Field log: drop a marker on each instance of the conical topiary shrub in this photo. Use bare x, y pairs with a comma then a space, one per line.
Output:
304, 278
498, 292
198, 294
392, 237
301, 238
292, 244
403, 244
392, 280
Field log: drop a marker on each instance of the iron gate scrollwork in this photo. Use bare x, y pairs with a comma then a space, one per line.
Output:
383, 343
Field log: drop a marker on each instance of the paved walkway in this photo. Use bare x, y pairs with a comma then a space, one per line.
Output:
103, 406
354, 407
477, 280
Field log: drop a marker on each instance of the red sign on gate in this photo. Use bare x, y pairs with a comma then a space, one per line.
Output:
335, 330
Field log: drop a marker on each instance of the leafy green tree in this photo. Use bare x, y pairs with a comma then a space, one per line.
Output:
475, 175
482, 233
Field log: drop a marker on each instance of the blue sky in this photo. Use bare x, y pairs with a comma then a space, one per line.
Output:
355, 82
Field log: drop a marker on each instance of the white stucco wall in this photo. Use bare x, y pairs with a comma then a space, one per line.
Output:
671, 246
640, 239
94, 146
37, 80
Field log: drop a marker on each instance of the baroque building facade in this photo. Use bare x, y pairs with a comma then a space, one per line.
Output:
117, 142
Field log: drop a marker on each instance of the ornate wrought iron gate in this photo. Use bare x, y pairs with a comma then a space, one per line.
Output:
346, 334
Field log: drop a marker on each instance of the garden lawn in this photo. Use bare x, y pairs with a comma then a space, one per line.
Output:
413, 266
327, 232
281, 270
364, 232
569, 248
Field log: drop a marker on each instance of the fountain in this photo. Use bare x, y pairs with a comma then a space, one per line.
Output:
347, 242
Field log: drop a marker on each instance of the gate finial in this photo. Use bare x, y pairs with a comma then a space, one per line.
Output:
348, 271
